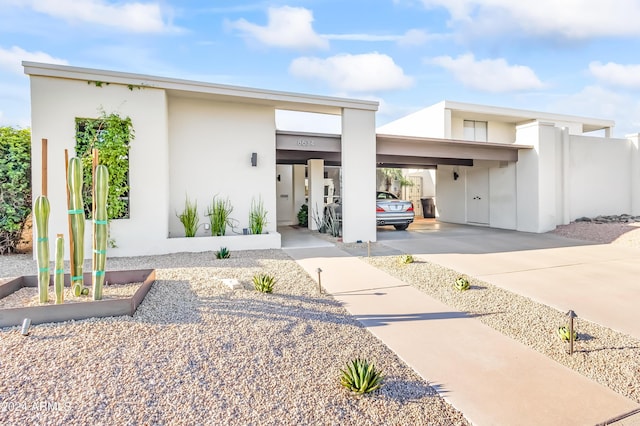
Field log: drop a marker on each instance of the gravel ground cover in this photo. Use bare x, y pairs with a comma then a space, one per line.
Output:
197, 352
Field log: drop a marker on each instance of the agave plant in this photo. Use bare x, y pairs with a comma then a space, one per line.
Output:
361, 377
565, 334
462, 284
264, 282
223, 253
406, 259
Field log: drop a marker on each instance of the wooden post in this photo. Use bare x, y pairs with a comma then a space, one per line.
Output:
71, 247
44, 166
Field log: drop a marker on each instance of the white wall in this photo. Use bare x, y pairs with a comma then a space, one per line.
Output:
210, 147
451, 194
503, 196
55, 104
600, 180
634, 148
428, 122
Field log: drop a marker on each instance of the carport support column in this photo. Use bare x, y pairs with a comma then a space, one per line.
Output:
358, 175
537, 174
316, 192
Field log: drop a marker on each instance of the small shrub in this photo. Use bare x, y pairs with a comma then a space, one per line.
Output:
462, 284
257, 217
218, 213
361, 377
264, 283
303, 215
223, 253
406, 259
564, 334
189, 218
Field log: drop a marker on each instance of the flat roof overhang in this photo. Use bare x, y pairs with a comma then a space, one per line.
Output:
394, 148
203, 90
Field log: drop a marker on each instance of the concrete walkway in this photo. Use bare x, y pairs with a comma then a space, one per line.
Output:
491, 378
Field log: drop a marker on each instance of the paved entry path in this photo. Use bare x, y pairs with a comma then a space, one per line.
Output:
491, 378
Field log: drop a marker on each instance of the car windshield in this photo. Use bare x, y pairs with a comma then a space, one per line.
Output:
386, 196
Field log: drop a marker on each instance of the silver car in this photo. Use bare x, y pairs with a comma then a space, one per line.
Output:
390, 210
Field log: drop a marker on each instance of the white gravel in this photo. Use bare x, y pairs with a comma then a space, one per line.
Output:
197, 352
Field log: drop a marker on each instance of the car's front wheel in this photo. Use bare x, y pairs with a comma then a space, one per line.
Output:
401, 227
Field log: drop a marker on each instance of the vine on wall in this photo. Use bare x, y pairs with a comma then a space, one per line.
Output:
111, 135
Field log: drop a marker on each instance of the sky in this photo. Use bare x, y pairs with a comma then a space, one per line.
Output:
578, 57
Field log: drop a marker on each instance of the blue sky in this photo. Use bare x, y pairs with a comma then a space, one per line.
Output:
578, 57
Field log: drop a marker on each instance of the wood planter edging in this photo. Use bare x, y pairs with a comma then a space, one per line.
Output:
80, 310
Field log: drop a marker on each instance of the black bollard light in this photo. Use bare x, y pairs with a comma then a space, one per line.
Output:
571, 316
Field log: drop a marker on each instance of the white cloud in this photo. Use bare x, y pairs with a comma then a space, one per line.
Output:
413, 37
11, 59
369, 72
574, 19
489, 75
616, 74
287, 27
129, 16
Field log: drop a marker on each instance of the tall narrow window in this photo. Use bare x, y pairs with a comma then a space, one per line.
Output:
475, 130
111, 135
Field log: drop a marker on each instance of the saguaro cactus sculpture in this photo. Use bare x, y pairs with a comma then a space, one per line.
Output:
58, 279
76, 212
101, 190
41, 211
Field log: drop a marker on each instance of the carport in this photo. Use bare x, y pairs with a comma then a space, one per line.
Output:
472, 161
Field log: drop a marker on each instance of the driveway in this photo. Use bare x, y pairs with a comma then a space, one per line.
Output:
600, 282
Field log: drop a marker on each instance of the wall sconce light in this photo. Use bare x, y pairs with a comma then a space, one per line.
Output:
254, 159
278, 178
455, 175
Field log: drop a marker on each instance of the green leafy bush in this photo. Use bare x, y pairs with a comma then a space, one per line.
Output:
406, 259
264, 283
303, 215
462, 284
565, 334
219, 215
361, 377
189, 218
111, 135
223, 253
15, 185
257, 217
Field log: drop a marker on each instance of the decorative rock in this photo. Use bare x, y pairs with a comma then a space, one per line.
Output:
232, 283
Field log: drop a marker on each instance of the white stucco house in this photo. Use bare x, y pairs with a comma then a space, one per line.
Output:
498, 167
196, 139
560, 171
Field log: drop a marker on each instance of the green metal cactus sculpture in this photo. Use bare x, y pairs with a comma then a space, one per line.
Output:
100, 223
58, 278
76, 212
41, 211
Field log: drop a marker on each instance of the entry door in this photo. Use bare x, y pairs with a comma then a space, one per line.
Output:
478, 196
284, 192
